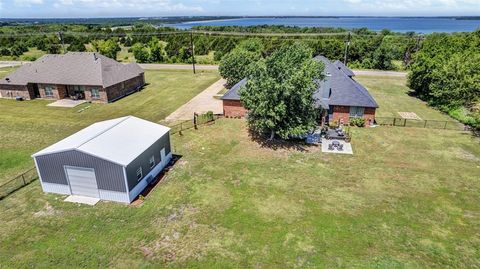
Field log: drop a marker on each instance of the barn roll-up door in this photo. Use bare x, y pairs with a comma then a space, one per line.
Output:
82, 181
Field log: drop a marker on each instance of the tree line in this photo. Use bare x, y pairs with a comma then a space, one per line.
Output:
445, 72
366, 49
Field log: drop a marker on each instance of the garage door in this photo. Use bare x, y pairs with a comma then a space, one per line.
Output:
82, 181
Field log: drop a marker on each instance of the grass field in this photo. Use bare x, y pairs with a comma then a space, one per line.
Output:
29, 126
407, 198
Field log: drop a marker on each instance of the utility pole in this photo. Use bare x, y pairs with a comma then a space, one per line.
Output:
347, 44
60, 36
193, 51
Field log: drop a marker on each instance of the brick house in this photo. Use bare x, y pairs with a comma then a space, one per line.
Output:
339, 97
75, 75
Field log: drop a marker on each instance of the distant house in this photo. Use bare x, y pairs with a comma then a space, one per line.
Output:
339, 96
110, 160
76, 75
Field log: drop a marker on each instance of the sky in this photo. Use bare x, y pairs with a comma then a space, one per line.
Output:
135, 8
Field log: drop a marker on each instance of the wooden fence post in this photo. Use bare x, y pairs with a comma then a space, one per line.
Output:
23, 179
404, 122
195, 115
445, 127
181, 127
425, 124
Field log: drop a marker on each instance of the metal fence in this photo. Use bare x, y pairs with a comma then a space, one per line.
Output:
432, 124
18, 182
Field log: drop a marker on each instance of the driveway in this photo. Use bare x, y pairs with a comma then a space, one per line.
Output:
201, 103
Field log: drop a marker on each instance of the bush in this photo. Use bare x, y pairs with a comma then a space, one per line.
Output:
359, 122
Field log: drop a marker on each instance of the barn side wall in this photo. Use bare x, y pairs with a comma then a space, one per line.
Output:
109, 175
144, 158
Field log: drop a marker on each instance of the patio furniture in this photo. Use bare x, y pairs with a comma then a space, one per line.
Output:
335, 143
340, 147
330, 147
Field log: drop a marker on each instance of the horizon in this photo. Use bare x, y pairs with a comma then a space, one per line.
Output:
78, 9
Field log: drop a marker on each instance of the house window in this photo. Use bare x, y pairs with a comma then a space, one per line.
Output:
95, 93
139, 173
152, 161
49, 91
356, 111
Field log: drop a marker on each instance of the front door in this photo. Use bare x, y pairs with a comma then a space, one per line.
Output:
82, 181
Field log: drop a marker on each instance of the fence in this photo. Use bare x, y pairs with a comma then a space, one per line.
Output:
198, 120
433, 124
18, 182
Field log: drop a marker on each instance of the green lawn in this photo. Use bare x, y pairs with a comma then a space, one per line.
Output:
392, 96
407, 198
29, 126
31, 54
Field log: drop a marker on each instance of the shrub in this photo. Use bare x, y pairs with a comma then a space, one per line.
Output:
359, 122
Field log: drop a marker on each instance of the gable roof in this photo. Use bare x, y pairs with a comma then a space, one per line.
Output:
342, 89
118, 140
336, 89
232, 94
344, 68
73, 68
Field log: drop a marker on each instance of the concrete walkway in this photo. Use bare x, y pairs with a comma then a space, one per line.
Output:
201, 103
67, 103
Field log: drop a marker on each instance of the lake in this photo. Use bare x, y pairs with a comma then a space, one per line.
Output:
397, 24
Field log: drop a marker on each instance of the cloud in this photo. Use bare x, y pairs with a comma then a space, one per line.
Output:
27, 3
147, 5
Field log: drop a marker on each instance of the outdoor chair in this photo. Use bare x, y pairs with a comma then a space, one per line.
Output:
330, 147
340, 147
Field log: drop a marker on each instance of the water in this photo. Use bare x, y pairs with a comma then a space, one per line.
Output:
396, 24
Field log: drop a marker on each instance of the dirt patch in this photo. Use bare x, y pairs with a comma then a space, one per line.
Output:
47, 210
465, 155
409, 115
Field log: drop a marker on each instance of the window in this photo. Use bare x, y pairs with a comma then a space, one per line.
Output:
152, 161
139, 173
49, 91
356, 111
95, 93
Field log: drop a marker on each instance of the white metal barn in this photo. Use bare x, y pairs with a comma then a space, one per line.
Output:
111, 160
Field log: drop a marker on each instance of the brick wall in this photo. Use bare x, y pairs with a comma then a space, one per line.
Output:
121, 89
233, 109
342, 114
59, 91
12, 91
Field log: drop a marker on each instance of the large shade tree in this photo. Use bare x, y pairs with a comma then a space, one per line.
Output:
279, 92
236, 65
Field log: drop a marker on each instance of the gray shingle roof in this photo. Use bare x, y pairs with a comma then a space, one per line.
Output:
74, 68
344, 68
232, 94
345, 91
339, 89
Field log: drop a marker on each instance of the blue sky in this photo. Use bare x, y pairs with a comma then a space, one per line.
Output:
115, 8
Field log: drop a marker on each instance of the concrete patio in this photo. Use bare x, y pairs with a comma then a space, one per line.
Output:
82, 200
347, 147
66, 103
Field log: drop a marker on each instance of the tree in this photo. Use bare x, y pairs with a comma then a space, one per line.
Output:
141, 53
108, 48
236, 65
157, 50
77, 45
279, 92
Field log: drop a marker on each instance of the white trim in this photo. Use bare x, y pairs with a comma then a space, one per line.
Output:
115, 196
143, 183
125, 179
38, 172
56, 188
